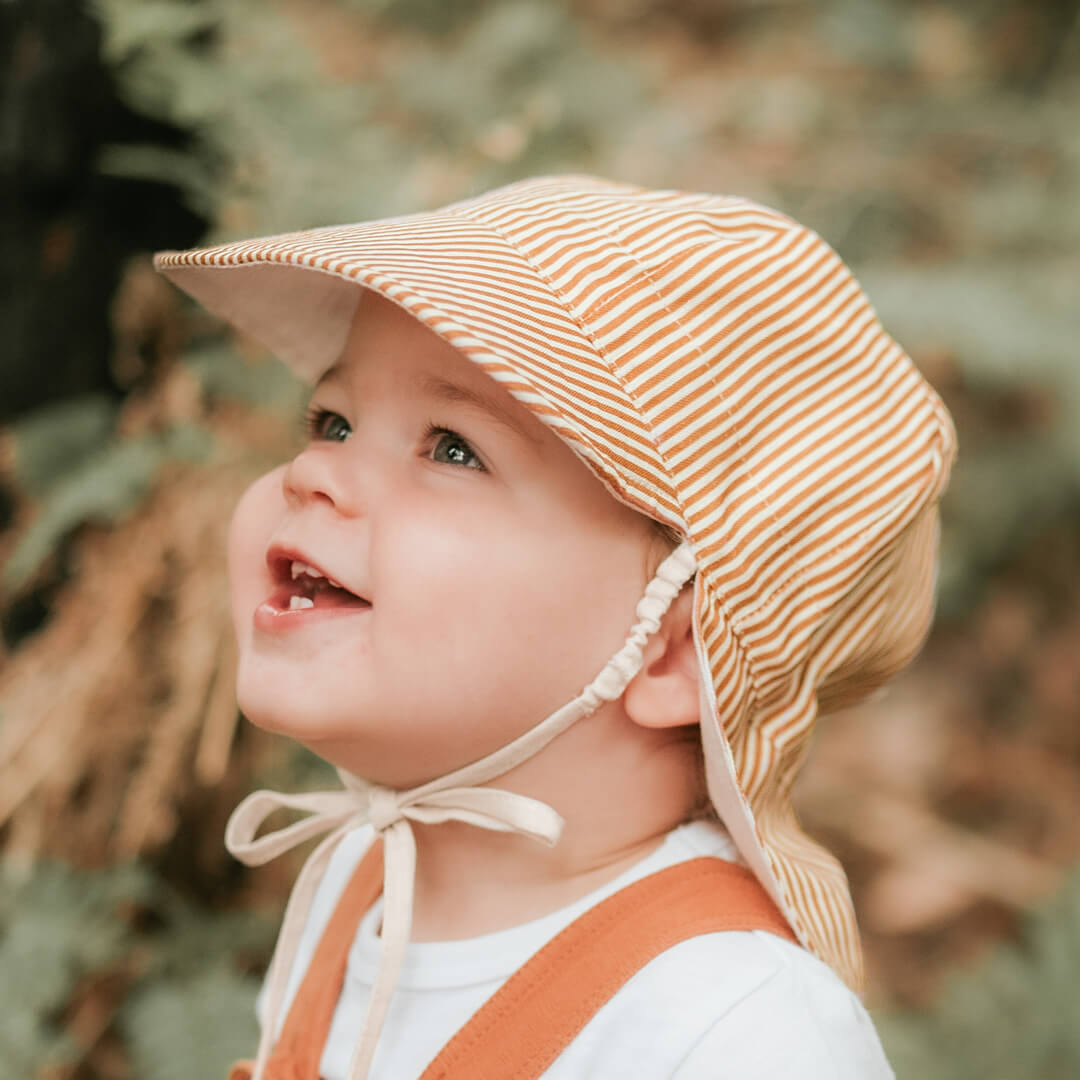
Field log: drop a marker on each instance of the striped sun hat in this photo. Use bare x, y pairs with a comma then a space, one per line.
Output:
721, 370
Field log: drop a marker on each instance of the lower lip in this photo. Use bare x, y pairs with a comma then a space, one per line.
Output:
274, 615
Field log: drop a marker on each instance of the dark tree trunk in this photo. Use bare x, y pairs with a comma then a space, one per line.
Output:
65, 229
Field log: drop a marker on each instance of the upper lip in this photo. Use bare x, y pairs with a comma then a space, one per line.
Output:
280, 557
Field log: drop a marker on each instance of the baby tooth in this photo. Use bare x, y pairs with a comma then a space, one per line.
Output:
297, 569
296, 602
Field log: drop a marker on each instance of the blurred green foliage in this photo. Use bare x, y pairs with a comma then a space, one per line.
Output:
56, 927
52, 441
520, 90
1013, 1016
181, 998
107, 481
191, 1026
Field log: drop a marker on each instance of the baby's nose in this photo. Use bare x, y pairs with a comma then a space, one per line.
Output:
318, 474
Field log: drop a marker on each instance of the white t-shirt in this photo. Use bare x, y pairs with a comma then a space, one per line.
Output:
736, 1005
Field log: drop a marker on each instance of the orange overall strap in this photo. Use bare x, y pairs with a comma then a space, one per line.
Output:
526, 1024
298, 1051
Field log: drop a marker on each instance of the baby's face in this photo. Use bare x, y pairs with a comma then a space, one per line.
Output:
486, 574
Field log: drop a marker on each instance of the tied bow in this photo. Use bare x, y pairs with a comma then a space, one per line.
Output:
336, 813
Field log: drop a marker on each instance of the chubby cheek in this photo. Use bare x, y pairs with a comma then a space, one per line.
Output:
250, 531
445, 602
431, 577
505, 619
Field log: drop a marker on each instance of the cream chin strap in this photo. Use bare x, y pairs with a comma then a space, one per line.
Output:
454, 797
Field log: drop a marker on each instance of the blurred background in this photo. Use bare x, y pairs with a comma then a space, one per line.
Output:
936, 145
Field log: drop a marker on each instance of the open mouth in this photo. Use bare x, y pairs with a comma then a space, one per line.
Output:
302, 586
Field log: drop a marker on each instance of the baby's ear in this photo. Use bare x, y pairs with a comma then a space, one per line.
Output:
664, 693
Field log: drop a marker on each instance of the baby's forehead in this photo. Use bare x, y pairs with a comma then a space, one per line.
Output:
385, 335
388, 347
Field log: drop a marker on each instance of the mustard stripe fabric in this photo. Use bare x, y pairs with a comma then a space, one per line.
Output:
722, 371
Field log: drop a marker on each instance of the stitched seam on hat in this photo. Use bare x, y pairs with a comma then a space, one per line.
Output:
917, 499
799, 575
582, 433
586, 332
911, 508
572, 311
689, 338
735, 625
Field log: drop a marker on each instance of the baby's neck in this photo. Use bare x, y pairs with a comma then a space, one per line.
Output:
469, 885
472, 881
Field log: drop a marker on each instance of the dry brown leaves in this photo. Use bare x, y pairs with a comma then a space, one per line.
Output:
121, 710
106, 706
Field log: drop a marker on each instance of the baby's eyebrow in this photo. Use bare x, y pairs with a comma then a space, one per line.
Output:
443, 390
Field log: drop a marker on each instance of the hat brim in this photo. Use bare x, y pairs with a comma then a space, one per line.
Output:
297, 295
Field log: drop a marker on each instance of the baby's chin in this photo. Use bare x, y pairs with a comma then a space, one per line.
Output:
276, 720
351, 742
295, 712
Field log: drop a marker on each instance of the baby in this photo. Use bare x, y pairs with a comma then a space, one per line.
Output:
571, 434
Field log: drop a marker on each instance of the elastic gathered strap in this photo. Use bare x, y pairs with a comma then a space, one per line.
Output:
454, 797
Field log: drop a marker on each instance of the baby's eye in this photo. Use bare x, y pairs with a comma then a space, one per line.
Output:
449, 448
325, 425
